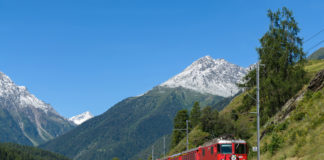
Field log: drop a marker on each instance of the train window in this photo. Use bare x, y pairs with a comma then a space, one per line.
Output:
211, 150
226, 148
203, 152
240, 148
218, 148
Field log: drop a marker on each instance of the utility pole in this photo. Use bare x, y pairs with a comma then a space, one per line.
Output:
258, 109
187, 135
152, 152
187, 131
164, 146
258, 106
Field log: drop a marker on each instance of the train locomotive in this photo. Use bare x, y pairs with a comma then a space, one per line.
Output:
218, 149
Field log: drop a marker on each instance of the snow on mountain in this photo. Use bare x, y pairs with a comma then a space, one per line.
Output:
79, 119
208, 75
20, 94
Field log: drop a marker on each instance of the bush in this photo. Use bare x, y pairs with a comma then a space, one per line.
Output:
275, 143
299, 116
317, 121
282, 126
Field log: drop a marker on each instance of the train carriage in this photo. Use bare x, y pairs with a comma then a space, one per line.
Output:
218, 149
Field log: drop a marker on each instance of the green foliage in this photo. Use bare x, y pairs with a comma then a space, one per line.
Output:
196, 138
195, 115
208, 119
179, 124
299, 116
10, 151
248, 101
234, 115
214, 124
115, 158
317, 121
275, 143
282, 54
282, 126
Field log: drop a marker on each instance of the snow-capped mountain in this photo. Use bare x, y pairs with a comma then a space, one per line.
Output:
8, 89
79, 119
208, 75
25, 119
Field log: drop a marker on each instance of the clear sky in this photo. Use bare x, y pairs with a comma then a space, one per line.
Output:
88, 55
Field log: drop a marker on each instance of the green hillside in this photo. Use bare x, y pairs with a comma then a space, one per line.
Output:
319, 54
130, 126
295, 132
10, 151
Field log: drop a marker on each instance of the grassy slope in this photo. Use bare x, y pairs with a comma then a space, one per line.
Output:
301, 136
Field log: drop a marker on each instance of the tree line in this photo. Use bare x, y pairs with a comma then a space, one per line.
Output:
206, 119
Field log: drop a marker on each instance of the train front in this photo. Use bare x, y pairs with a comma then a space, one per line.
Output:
232, 150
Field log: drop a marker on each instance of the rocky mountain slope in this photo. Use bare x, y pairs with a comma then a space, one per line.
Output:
79, 119
208, 75
25, 119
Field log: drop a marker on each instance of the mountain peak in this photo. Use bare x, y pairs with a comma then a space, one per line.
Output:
9, 89
79, 119
208, 57
208, 75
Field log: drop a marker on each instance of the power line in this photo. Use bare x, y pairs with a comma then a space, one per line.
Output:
314, 35
315, 46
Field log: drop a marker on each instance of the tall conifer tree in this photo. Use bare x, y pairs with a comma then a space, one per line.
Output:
195, 114
179, 122
282, 54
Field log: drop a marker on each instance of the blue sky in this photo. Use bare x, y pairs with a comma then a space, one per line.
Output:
89, 55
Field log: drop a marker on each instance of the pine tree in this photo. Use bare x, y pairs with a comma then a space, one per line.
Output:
195, 115
179, 122
208, 119
282, 54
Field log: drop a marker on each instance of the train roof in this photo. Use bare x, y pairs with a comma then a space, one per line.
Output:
214, 141
223, 141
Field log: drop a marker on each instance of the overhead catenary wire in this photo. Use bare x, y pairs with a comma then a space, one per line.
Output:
313, 36
314, 46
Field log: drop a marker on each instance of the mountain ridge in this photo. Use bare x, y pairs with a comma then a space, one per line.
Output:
208, 75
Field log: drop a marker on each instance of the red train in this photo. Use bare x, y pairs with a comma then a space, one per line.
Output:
218, 149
